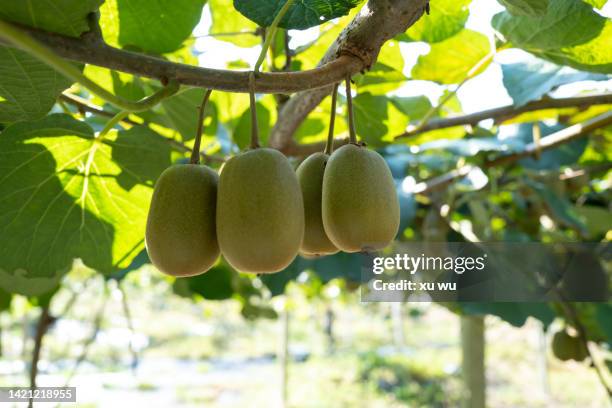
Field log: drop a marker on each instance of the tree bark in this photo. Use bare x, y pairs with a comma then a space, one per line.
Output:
284, 357
473, 365
377, 22
44, 322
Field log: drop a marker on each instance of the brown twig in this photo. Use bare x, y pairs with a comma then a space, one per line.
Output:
44, 322
376, 23
563, 136
97, 323
85, 106
103, 55
195, 153
509, 111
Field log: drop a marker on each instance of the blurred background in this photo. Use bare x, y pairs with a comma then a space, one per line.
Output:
136, 343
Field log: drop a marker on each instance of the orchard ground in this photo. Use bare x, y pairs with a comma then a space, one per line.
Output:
207, 354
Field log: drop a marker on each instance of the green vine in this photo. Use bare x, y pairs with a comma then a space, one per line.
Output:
271, 32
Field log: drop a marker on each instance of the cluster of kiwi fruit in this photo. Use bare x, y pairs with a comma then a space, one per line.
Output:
260, 213
567, 347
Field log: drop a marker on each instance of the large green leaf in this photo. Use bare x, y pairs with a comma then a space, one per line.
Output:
452, 60
377, 119
65, 194
570, 33
386, 74
119, 83
531, 78
156, 26
68, 17
182, 112
526, 7
447, 18
301, 15
28, 87
225, 25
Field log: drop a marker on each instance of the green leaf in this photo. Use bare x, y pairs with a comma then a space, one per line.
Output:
138, 262
277, 282
124, 85
514, 313
386, 74
526, 7
559, 206
5, 300
215, 284
564, 155
182, 112
603, 316
66, 195
68, 17
301, 15
340, 265
415, 107
467, 147
156, 26
532, 78
266, 116
316, 126
447, 18
570, 33
598, 220
377, 119
225, 20
596, 3
28, 87
450, 61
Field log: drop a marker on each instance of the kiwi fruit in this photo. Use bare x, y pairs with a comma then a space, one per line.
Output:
260, 212
567, 347
310, 176
359, 204
181, 235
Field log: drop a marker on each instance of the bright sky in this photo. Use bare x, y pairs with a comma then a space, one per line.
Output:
483, 92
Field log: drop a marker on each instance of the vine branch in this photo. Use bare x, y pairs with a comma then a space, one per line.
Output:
506, 112
548, 142
17, 37
103, 55
360, 43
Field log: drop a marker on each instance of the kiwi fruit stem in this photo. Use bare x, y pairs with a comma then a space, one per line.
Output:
351, 120
195, 153
253, 108
329, 146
